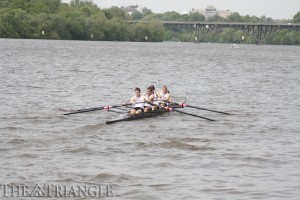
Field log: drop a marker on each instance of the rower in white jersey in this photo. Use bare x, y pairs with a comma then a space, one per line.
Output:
138, 102
148, 98
164, 95
155, 98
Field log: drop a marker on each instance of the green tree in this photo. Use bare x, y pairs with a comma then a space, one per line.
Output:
146, 11
79, 3
297, 38
269, 19
286, 40
95, 27
171, 16
50, 26
157, 31
137, 15
169, 35
196, 17
296, 18
117, 30
114, 12
44, 6
237, 36
153, 31
254, 19
215, 18
185, 17
38, 6
263, 18
153, 16
19, 4
4, 3
227, 35
7, 28
16, 23
142, 32
211, 37
185, 37
235, 17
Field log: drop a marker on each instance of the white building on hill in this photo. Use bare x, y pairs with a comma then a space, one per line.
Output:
211, 11
135, 8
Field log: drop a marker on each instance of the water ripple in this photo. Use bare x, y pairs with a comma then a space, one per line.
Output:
251, 154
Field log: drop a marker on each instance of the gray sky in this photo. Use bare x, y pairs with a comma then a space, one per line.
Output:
277, 9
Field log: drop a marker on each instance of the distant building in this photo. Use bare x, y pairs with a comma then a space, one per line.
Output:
135, 8
224, 13
211, 11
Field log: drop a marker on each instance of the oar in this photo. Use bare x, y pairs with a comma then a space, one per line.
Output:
190, 114
185, 105
120, 112
95, 109
119, 108
85, 109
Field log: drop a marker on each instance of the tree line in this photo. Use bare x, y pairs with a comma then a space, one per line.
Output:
79, 20
84, 20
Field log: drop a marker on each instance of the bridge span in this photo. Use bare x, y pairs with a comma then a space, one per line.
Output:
259, 31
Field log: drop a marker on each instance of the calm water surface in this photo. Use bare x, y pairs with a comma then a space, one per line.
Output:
253, 154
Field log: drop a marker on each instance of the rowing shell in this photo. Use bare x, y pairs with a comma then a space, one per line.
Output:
139, 116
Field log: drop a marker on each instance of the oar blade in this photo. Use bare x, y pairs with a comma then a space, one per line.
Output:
200, 108
191, 114
83, 111
216, 111
95, 109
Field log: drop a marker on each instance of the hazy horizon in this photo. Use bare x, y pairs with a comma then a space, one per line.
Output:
280, 9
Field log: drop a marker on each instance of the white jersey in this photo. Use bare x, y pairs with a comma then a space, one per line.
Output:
155, 100
138, 102
164, 97
148, 99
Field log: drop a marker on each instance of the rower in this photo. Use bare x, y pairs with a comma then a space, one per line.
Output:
138, 102
148, 98
155, 98
164, 95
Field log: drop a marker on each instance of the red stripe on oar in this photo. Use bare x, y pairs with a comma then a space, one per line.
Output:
107, 107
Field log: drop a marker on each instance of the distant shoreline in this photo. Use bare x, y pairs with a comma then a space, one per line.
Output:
83, 20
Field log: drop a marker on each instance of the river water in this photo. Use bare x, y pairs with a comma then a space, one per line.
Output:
252, 154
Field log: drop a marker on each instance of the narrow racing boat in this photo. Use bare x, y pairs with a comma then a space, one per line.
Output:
143, 115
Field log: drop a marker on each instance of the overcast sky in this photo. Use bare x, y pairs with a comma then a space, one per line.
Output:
276, 9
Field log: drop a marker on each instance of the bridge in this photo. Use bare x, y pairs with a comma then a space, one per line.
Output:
259, 31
